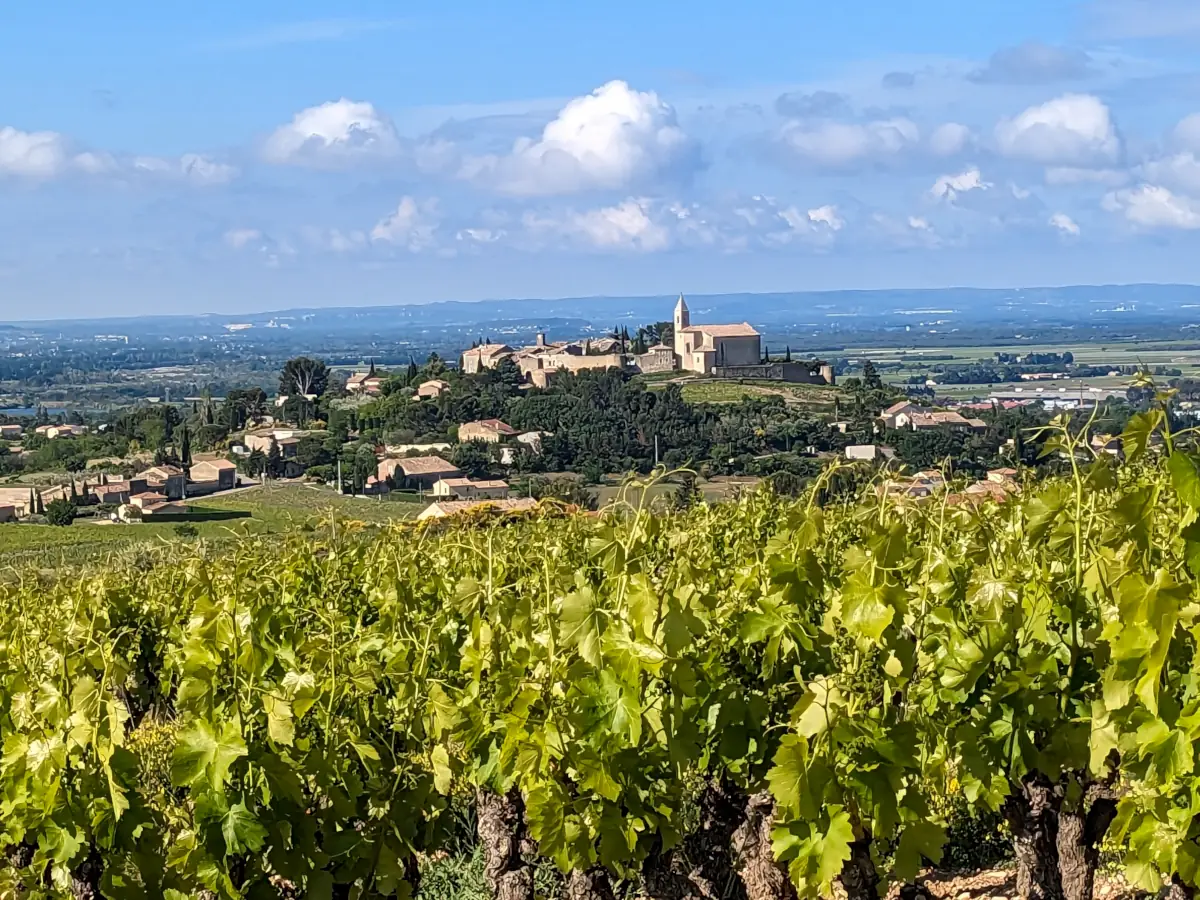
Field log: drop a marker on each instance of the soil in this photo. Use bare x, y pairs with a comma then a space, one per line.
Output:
1001, 884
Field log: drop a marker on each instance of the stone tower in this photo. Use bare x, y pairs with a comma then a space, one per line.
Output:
683, 318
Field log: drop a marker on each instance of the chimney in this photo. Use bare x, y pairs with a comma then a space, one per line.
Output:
541, 339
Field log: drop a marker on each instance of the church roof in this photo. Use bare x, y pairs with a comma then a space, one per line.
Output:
745, 329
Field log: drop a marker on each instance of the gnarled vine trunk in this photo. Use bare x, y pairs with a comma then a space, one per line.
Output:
501, 829
859, 877
763, 877
85, 877
590, 884
1032, 813
703, 866
1080, 831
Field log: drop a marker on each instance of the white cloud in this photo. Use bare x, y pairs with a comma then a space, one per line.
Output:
949, 139
31, 154
93, 163
1153, 206
191, 167
1065, 224
949, 187
626, 226
413, 225
839, 144
1068, 175
1187, 133
333, 134
203, 170
1181, 171
613, 138
1074, 129
916, 223
240, 238
827, 216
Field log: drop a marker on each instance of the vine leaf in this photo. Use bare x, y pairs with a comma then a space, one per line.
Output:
203, 755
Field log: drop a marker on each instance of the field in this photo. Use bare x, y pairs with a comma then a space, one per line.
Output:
1184, 355
268, 509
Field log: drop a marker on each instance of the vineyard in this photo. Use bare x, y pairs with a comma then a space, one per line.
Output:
769, 698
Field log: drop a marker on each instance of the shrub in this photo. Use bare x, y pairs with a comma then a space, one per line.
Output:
60, 512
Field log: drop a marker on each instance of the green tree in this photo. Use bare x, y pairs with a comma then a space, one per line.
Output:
60, 512
185, 447
303, 376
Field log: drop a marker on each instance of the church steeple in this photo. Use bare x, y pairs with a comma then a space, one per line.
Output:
683, 318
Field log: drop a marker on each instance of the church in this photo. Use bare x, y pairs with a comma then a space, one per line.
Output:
701, 348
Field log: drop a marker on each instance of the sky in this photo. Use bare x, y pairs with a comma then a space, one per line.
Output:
226, 157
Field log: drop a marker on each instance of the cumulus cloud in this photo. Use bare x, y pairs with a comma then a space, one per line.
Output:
1181, 171
333, 134
847, 144
191, 167
412, 226
1153, 206
1187, 133
949, 187
31, 154
1034, 63
1074, 129
827, 216
613, 138
627, 226
799, 105
1065, 224
949, 139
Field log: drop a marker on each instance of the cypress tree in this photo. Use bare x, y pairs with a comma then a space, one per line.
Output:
185, 447
41, 509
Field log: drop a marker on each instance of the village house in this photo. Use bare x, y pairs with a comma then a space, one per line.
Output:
485, 356
52, 432
470, 489
492, 431
869, 452
19, 498
951, 421
419, 472
149, 498
168, 480
10, 432
443, 508
700, 348
375, 486
435, 387
212, 475
365, 382
899, 415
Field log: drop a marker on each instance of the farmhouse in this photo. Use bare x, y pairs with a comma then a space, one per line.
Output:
470, 489
493, 431
416, 471
213, 475
443, 508
433, 388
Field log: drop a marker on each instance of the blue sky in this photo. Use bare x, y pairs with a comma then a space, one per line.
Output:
254, 156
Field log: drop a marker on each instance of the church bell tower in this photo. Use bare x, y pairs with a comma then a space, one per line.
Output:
683, 318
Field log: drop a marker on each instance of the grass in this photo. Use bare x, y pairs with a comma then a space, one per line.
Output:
271, 509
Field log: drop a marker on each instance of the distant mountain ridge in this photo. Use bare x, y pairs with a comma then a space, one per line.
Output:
800, 308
